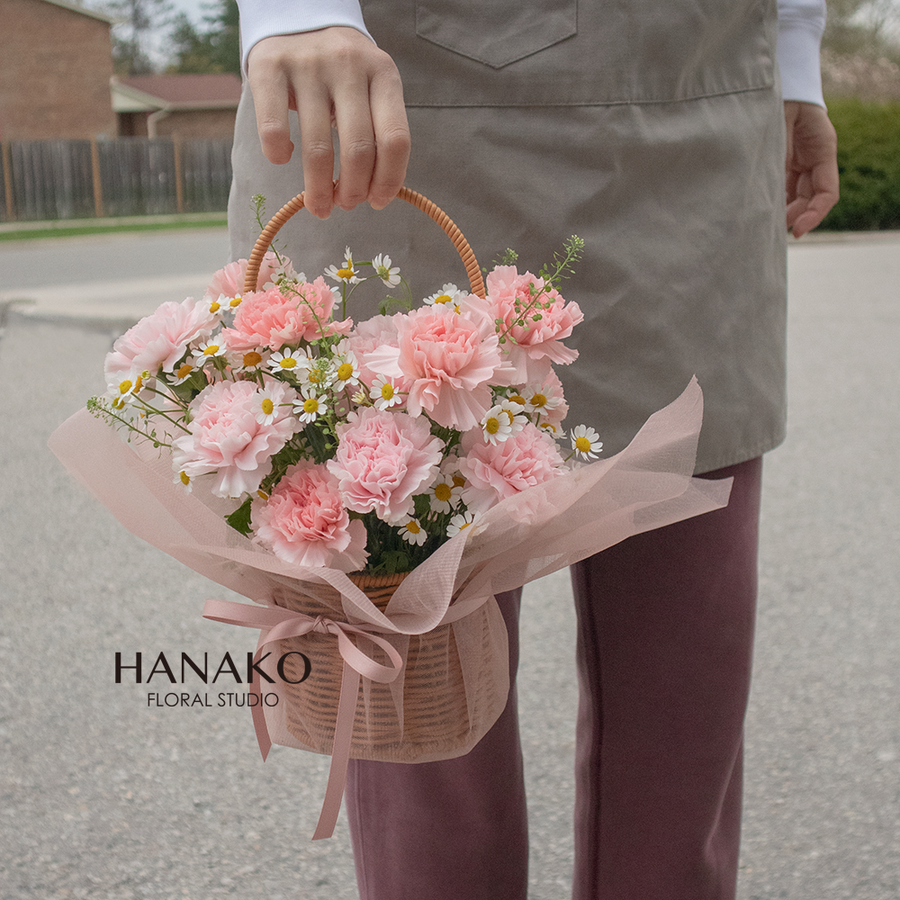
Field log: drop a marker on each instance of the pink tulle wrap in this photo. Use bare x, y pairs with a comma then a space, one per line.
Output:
444, 608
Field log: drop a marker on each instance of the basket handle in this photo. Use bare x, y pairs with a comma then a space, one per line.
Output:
473, 270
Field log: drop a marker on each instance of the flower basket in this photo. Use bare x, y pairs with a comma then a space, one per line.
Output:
409, 668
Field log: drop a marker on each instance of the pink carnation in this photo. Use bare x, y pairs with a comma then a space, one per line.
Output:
382, 460
304, 521
272, 319
494, 472
159, 340
448, 360
536, 341
230, 280
226, 438
374, 333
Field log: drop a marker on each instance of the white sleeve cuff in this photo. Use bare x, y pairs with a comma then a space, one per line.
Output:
264, 18
800, 27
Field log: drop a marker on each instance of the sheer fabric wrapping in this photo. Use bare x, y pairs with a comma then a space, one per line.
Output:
442, 619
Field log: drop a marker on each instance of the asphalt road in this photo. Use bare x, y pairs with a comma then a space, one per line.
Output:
106, 797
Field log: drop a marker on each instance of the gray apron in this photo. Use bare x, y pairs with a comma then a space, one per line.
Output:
652, 130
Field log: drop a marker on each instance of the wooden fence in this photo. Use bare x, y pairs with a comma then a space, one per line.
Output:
71, 179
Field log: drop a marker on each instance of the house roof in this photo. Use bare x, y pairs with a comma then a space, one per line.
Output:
142, 93
91, 13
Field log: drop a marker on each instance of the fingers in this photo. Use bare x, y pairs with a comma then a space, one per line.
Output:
812, 182
335, 78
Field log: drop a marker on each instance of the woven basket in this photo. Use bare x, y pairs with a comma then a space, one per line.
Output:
432, 689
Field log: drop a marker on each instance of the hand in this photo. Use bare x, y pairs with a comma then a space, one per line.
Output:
333, 77
810, 166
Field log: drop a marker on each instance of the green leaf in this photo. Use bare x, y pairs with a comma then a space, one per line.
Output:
239, 520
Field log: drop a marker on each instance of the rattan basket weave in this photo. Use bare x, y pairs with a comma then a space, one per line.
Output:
430, 696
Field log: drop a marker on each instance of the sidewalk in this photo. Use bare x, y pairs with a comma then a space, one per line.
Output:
105, 797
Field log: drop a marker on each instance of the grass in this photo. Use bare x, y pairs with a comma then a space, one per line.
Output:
24, 231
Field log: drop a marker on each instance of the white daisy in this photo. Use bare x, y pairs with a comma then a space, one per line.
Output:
209, 350
448, 294
541, 400
412, 532
382, 266
184, 480
444, 494
460, 522
247, 360
184, 371
265, 408
126, 390
586, 442
347, 273
287, 360
345, 371
310, 406
384, 393
497, 424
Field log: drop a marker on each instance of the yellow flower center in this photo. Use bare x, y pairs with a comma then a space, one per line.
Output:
184, 370
262, 494
459, 481
185, 479
492, 425
288, 363
345, 370
235, 301
518, 398
311, 405
347, 273
252, 359
538, 400
413, 527
268, 407
443, 298
126, 386
582, 444
315, 376
387, 392
215, 306
442, 492
211, 350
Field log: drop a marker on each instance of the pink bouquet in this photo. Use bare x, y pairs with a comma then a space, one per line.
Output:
305, 460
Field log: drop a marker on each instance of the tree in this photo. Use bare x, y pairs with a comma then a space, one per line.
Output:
132, 39
215, 49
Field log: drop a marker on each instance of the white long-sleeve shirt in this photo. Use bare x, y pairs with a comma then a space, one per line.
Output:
800, 27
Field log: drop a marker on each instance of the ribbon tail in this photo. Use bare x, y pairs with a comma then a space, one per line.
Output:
340, 754
259, 719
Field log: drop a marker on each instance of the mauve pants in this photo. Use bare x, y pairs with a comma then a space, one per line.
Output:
665, 633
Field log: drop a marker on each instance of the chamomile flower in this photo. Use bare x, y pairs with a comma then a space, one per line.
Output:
502, 421
384, 393
586, 442
448, 294
209, 350
345, 371
382, 265
265, 408
310, 405
247, 361
125, 391
218, 305
184, 371
347, 273
413, 533
287, 360
542, 400
184, 480
444, 494
460, 522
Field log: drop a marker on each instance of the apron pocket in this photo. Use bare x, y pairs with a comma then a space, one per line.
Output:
495, 32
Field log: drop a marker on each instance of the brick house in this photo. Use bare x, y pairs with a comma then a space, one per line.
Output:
55, 70
186, 106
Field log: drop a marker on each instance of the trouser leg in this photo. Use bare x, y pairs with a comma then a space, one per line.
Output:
665, 632
450, 830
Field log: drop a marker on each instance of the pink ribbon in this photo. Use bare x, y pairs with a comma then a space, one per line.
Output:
280, 623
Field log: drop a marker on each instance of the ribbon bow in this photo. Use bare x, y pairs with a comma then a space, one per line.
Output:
278, 624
